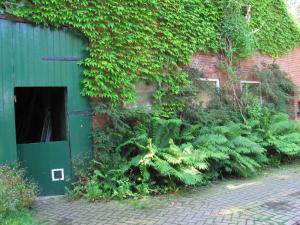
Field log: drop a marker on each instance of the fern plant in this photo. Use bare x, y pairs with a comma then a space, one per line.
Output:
172, 164
233, 151
282, 136
157, 158
102, 178
155, 155
275, 131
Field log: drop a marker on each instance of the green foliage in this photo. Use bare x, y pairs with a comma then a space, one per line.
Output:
241, 155
238, 37
119, 122
148, 162
169, 105
219, 111
154, 40
276, 132
168, 165
102, 179
154, 155
23, 217
238, 43
283, 135
276, 87
154, 150
144, 151
16, 194
277, 33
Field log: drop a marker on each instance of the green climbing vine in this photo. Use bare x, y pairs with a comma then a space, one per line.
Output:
276, 32
151, 40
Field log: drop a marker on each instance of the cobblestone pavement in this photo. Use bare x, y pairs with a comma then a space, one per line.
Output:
272, 198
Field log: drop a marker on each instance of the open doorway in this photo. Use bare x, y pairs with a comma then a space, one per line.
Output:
40, 114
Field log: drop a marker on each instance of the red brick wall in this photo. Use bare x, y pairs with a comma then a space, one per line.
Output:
208, 63
290, 63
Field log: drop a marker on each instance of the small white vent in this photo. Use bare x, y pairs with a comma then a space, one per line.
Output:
57, 174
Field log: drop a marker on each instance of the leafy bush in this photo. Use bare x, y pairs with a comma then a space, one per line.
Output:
119, 126
16, 193
162, 155
148, 162
278, 134
276, 86
241, 155
283, 136
23, 217
155, 155
179, 143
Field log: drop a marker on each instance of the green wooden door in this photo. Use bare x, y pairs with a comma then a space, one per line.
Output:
35, 56
41, 160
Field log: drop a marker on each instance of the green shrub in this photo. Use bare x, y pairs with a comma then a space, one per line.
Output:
102, 178
155, 157
16, 193
283, 136
278, 134
180, 143
169, 154
23, 217
148, 162
276, 87
241, 156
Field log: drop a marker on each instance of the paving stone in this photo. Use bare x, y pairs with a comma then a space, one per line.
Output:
266, 200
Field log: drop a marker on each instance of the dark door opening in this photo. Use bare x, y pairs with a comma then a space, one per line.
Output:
40, 114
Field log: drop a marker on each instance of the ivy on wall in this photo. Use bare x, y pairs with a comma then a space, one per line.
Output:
151, 40
277, 33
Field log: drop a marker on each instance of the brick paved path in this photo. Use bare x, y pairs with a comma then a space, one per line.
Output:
272, 198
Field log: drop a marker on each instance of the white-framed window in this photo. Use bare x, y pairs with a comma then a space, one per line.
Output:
252, 86
212, 86
214, 80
